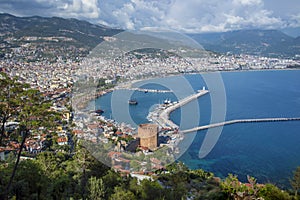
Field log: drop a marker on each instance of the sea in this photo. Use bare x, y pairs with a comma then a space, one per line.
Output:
268, 151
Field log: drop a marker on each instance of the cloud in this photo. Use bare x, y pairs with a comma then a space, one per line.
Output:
189, 15
134, 14
295, 21
248, 2
220, 15
81, 9
186, 16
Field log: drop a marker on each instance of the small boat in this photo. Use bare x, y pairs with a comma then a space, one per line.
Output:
132, 102
99, 111
167, 101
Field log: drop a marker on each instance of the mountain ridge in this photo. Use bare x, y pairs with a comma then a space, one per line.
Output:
273, 43
83, 34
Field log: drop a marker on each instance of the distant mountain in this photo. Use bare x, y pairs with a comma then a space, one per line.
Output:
292, 31
258, 42
63, 34
81, 33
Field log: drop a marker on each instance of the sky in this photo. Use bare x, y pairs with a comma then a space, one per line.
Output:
190, 16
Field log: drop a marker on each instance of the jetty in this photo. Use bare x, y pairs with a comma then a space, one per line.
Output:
150, 90
163, 118
239, 121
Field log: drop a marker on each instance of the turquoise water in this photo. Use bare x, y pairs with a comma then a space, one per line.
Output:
268, 151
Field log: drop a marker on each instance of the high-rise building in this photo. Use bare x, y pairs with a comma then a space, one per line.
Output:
148, 134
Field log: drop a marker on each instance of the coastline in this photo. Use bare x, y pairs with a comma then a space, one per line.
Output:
129, 84
235, 71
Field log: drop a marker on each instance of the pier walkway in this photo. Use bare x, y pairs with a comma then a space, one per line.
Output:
150, 90
144, 90
164, 116
238, 121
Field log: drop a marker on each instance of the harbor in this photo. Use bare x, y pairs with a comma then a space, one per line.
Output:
161, 115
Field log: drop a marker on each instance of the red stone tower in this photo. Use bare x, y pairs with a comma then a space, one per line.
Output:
148, 134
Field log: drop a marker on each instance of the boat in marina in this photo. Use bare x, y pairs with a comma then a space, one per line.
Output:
132, 102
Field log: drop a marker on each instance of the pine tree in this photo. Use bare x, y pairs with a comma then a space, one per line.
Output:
26, 106
295, 182
96, 189
10, 94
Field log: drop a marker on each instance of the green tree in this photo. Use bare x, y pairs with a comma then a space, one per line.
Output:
112, 180
10, 97
233, 187
29, 181
83, 161
32, 112
122, 194
295, 181
51, 163
200, 173
135, 165
271, 192
96, 188
82, 166
177, 166
60, 187
151, 190
134, 186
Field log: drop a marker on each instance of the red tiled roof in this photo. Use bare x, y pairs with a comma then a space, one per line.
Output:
14, 145
93, 126
125, 136
62, 139
117, 167
77, 132
119, 133
140, 173
155, 161
112, 153
124, 171
144, 148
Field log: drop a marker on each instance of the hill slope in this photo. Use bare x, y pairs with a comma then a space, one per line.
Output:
41, 38
57, 33
258, 42
84, 33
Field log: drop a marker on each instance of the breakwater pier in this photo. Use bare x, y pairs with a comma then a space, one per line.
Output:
239, 121
150, 90
161, 116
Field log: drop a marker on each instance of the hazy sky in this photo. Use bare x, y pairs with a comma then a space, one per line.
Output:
180, 15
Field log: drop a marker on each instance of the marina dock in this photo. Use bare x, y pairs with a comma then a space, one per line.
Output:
163, 116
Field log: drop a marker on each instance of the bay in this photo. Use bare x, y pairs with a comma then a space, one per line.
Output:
268, 151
